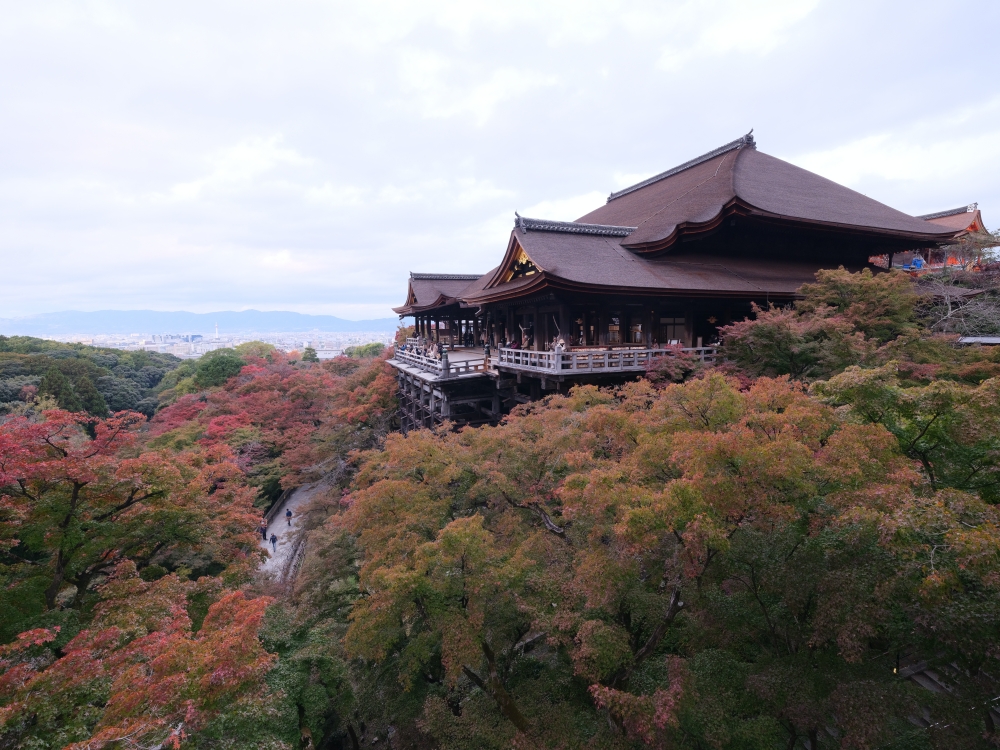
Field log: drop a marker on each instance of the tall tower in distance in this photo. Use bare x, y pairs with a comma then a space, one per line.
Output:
216, 331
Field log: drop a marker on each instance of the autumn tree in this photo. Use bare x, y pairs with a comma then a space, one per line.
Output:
153, 668
703, 564
75, 507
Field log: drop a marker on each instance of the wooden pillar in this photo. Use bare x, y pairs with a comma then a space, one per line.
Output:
535, 330
565, 323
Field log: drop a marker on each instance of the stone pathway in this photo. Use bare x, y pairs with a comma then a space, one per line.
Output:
280, 562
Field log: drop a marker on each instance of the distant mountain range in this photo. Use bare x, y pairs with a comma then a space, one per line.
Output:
153, 321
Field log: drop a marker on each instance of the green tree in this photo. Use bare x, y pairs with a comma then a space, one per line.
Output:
309, 355
216, 367
255, 349
952, 429
90, 398
363, 351
120, 394
882, 306
57, 385
842, 319
784, 341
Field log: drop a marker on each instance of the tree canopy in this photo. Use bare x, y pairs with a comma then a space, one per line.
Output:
797, 548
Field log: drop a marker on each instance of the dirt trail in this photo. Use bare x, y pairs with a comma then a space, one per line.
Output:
281, 562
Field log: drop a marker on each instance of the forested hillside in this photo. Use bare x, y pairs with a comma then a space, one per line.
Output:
762, 554
79, 378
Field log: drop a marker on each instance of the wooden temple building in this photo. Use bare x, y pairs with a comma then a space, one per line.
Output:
662, 264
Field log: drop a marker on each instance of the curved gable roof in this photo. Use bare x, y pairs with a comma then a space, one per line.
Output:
570, 260
739, 179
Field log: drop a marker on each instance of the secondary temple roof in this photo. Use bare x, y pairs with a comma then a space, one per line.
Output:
427, 291
966, 219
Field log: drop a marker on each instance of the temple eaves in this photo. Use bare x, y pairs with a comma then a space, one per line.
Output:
570, 227
953, 212
745, 141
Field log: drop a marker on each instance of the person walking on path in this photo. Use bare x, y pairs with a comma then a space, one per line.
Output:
288, 516
263, 528
274, 543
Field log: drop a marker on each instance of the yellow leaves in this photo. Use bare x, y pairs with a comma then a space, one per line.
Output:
599, 575
460, 644
465, 543
855, 456
780, 407
709, 403
393, 517
938, 586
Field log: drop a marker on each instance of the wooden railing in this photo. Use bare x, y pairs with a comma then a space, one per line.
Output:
442, 367
593, 360
564, 363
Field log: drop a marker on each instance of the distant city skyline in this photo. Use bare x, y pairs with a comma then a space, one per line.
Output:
305, 157
326, 344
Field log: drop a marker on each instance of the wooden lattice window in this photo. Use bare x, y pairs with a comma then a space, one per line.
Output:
615, 331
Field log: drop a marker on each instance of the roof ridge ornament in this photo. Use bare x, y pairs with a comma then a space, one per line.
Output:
445, 276
570, 227
745, 141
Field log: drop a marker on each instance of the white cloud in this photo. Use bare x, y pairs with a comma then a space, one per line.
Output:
308, 155
938, 148
722, 27
284, 261
566, 209
442, 88
239, 166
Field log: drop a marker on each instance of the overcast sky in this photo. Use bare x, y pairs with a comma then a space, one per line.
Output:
306, 156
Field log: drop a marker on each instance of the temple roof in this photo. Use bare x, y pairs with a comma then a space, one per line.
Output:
427, 291
633, 243
737, 179
965, 219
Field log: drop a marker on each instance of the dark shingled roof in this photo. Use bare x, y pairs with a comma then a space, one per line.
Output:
698, 194
622, 246
577, 262
429, 290
746, 141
